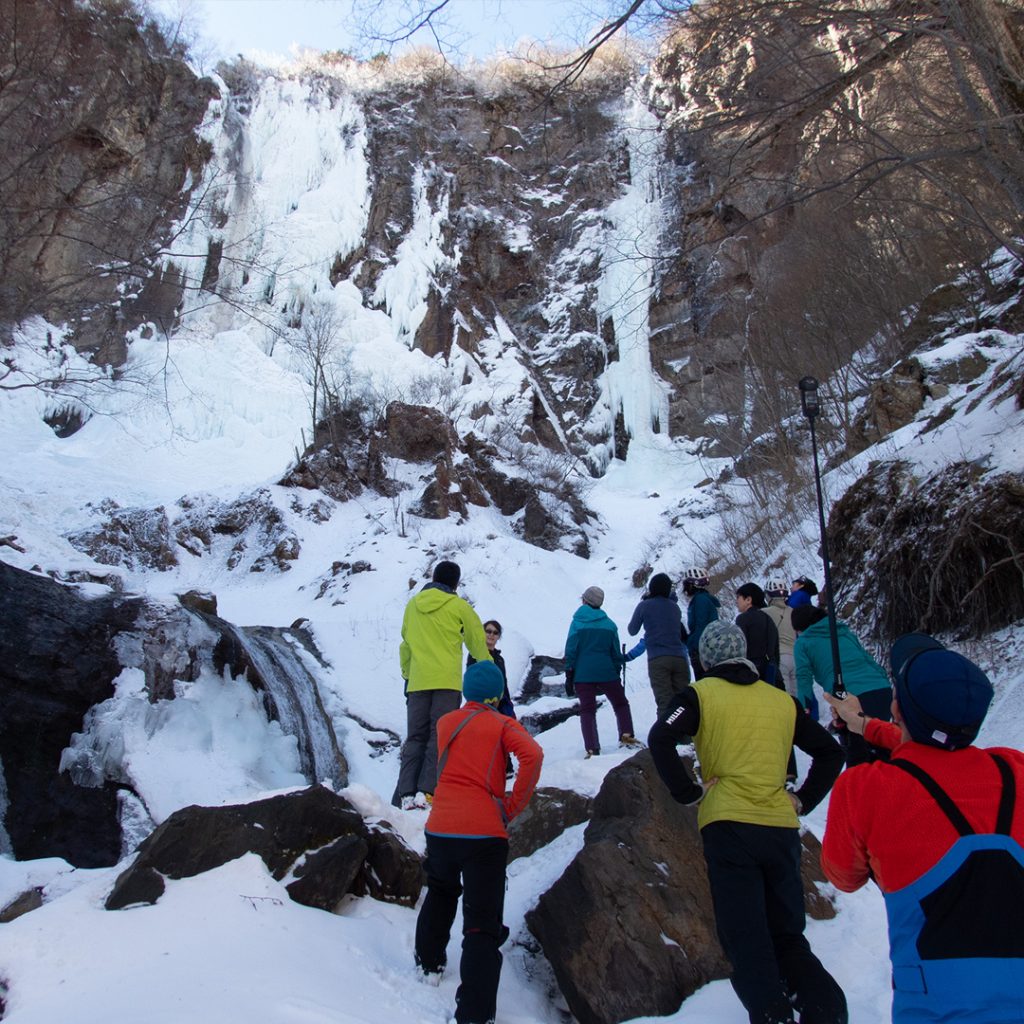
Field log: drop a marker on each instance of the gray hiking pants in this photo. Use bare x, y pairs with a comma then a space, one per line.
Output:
423, 708
669, 675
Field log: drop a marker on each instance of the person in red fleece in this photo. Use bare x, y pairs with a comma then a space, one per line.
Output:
940, 829
467, 839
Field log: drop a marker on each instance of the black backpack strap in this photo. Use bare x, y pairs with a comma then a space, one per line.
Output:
442, 758
941, 797
1004, 819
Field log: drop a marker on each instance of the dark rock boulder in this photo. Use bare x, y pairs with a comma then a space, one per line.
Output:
391, 873
548, 814
314, 833
57, 660
628, 929
325, 876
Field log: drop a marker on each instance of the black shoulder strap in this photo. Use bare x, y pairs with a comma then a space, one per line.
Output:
442, 759
1008, 800
942, 798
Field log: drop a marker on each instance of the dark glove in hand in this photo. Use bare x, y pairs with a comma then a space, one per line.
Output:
570, 685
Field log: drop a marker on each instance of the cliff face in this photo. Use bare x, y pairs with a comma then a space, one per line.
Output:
99, 122
623, 259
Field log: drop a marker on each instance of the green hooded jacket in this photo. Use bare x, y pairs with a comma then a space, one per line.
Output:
436, 624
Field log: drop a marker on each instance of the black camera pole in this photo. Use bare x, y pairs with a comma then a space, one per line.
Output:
811, 407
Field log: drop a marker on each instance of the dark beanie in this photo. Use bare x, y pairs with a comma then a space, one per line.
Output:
806, 615
943, 697
447, 573
660, 585
483, 682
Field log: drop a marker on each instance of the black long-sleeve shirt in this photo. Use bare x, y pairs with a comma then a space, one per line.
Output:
684, 721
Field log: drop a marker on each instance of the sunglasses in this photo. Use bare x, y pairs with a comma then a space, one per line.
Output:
492, 632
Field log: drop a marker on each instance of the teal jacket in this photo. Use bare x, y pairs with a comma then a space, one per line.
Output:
592, 650
812, 654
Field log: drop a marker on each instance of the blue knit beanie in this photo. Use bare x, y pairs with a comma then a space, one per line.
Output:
483, 682
943, 697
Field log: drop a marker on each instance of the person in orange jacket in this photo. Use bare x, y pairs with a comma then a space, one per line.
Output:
467, 839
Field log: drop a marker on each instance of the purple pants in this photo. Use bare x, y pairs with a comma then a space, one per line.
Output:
587, 695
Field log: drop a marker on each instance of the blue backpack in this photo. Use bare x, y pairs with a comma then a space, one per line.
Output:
957, 932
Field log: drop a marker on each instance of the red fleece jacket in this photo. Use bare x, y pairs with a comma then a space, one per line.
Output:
470, 799
883, 824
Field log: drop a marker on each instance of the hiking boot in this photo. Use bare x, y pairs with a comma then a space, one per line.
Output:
432, 978
629, 741
414, 802
591, 753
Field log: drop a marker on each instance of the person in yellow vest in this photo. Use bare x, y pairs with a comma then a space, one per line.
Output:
742, 730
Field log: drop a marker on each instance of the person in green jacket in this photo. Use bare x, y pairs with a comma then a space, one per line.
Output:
436, 624
862, 675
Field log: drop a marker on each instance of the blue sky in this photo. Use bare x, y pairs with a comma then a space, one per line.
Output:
475, 28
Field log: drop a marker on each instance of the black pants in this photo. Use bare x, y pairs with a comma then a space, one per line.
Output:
754, 871
477, 868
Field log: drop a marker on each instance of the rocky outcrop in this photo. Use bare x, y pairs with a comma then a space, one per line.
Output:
57, 659
100, 121
315, 838
628, 929
59, 656
250, 532
944, 550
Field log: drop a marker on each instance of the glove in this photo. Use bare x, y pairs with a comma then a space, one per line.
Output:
570, 684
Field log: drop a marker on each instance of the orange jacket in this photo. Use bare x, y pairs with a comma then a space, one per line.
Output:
470, 799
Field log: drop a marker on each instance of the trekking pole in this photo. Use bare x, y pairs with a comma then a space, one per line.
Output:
811, 407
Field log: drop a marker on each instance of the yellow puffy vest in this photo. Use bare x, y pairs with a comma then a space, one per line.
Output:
743, 740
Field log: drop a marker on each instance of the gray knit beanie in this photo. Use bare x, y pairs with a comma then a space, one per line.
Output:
594, 596
721, 641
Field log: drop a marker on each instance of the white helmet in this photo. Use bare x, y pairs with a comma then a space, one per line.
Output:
776, 587
697, 576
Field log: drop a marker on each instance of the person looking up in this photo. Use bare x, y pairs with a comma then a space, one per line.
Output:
760, 631
593, 660
940, 829
862, 675
743, 730
668, 665
701, 609
437, 622
467, 840
781, 614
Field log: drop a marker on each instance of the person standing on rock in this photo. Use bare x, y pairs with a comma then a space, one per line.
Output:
467, 840
593, 661
436, 624
743, 729
659, 614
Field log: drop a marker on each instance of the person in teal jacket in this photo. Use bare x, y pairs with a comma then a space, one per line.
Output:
701, 611
593, 661
862, 675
